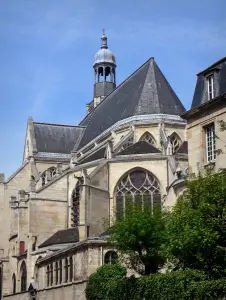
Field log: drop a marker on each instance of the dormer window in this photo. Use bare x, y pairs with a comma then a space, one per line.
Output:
211, 87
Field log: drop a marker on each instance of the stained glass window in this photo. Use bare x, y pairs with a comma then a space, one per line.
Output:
139, 186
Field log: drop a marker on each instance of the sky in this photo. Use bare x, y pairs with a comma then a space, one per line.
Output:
47, 49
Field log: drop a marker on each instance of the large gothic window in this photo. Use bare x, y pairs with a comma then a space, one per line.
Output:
76, 196
147, 137
138, 186
23, 280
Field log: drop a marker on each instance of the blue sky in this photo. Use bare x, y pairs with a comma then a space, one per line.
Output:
47, 50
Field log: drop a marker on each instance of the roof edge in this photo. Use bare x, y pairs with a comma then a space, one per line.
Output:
212, 66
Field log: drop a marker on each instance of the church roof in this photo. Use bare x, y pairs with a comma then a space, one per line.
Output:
141, 147
146, 91
65, 236
55, 138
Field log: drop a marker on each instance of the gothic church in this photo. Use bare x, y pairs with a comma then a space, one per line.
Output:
131, 146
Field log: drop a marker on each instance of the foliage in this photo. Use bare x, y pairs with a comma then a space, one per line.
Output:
196, 229
99, 282
138, 236
209, 289
171, 286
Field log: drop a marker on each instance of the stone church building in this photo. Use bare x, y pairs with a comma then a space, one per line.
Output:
131, 146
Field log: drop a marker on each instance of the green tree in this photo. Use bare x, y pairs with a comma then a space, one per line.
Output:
196, 228
138, 236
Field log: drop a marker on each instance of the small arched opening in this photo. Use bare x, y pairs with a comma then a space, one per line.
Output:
110, 257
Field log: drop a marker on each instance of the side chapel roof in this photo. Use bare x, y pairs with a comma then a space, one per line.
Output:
56, 138
65, 236
146, 91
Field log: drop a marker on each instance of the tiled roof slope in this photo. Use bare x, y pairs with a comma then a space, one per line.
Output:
66, 236
140, 147
95, 156
54, 138
200, 95
146, 91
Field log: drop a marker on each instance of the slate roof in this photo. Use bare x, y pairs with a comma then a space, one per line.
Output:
66, 236
146, 91
140, 147
55, 138
95, 156
183, 148
200, 94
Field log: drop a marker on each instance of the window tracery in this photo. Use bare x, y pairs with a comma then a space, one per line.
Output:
147, 137
110, 257
138, 186
175, 142
76, 196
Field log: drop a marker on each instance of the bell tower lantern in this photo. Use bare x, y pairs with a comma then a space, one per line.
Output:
104, 73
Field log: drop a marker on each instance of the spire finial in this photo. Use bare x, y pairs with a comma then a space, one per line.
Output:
104, 40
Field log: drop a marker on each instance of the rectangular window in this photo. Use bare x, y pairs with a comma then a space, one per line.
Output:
210, 143
211, 87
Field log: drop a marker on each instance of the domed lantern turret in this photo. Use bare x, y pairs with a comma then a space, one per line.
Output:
104, 70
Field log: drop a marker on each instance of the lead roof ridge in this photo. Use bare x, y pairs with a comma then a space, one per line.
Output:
61, 125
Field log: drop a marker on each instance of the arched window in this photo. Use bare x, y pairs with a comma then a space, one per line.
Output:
147, 137
175, 142
71, 268
110, 257
138, 186
47, 275
51, 274
66, 270
76, 196
14, 283
56, 272
61, 272
23, 280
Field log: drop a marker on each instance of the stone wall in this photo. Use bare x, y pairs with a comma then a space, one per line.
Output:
72, 291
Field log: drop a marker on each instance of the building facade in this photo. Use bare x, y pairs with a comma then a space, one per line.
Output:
131, 145
206, 140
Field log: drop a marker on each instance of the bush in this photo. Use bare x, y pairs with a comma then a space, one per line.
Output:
171, 286
210, 289
101, 282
